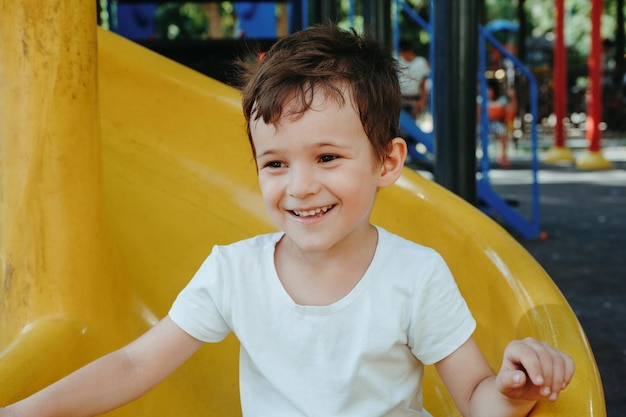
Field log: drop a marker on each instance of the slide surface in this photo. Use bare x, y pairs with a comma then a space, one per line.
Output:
178, 177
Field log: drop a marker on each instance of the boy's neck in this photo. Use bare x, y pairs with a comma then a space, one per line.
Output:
323, 278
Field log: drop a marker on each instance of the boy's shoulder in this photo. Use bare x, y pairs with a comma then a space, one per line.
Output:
401, 246
251, 243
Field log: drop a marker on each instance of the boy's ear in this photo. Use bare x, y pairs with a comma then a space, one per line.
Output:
393, 164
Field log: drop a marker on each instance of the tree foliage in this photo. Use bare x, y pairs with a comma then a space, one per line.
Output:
541, 14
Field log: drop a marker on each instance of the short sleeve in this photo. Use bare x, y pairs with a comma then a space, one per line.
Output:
198, 308
441, 319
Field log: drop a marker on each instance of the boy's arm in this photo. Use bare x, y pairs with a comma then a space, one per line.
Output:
530, 370
113, 380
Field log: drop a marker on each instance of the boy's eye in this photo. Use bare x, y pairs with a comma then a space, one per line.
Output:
328, 158
273, 164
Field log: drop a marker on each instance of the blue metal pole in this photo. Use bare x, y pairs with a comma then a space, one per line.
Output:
305, 14
528, 229
418, 19
351, 7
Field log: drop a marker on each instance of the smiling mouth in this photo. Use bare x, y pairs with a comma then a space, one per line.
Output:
313, 212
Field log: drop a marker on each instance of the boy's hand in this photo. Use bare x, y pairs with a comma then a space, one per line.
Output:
532, 370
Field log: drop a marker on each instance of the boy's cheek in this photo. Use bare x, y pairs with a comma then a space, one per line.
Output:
270, 188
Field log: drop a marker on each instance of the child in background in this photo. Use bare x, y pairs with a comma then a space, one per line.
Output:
413, 73
502, 110
330, 319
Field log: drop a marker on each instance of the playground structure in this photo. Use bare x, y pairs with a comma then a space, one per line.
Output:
491, 202
592, 159
528, 227
117, 179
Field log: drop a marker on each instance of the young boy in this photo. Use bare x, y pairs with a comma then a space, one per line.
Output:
330, 320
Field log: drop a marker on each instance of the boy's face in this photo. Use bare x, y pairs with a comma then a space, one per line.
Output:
318, 175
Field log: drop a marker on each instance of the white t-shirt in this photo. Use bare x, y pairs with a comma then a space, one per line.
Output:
360, 356
411, 74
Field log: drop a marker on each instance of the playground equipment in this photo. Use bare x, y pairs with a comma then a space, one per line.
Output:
176, 178
593, 159
559, 152
529, 228
491, 201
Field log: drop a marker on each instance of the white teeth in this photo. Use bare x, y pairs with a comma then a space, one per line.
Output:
309, 213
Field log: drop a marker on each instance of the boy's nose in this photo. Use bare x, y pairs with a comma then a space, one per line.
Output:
302, 182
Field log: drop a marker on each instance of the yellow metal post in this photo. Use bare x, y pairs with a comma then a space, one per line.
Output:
52, 235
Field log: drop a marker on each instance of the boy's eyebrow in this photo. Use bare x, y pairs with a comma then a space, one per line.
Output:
330, 144
268, 152
272, 151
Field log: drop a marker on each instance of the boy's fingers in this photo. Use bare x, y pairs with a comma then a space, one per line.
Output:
558, 373
533, 369
570, 367
563, 371
557, 367
512, 380
523, 355
546, 367
567, 366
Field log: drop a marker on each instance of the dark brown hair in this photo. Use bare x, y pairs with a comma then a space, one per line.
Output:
333, 60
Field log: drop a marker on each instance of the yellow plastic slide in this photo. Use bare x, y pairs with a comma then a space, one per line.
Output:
176, 178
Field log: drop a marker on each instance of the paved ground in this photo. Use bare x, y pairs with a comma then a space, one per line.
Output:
584, 215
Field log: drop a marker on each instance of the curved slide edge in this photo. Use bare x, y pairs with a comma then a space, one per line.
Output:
179, 178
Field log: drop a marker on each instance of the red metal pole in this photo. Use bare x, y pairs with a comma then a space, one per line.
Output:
559, 153
593, 158
559, 75
594, 62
